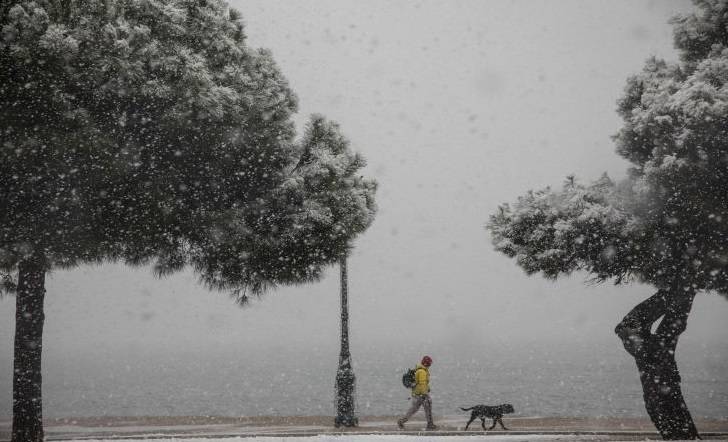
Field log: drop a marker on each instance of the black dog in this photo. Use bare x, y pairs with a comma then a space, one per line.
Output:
494, 412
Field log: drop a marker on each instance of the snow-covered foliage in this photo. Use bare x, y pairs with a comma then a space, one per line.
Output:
308, 220
669, 218
148, 131
579, 228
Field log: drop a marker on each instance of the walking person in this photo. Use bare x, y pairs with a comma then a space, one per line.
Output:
421, 394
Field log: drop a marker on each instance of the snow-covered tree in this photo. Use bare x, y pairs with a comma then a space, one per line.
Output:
305, 223
328, 168
666, 224
147, 131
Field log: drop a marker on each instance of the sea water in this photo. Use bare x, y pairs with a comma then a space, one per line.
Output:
539, 380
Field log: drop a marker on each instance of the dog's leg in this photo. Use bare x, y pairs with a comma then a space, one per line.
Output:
482, 423
472, 418
493, 426
501, 424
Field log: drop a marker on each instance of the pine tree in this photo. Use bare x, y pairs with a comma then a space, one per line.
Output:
149, 132
328, 168
666, 224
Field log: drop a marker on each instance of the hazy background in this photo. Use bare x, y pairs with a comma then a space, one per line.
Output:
458, 106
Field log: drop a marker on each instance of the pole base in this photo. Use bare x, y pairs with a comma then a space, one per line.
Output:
346, 421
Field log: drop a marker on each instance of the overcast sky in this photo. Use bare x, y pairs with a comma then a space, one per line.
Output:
457, 106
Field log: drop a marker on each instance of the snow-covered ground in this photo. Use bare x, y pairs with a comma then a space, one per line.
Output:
371, 428
390, 438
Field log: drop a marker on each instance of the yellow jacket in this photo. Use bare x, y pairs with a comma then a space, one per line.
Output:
422, 381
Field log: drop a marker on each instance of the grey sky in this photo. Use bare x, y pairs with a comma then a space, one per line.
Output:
458, 106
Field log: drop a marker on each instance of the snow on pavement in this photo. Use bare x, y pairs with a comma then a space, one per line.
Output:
384, 438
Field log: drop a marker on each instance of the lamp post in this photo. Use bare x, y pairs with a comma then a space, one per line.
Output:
345, 379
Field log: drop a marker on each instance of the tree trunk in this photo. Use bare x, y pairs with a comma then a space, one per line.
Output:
654, 354
345, 379
27, 403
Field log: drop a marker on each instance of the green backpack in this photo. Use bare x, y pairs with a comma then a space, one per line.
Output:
408, 379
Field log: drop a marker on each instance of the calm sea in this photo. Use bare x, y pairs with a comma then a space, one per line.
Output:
538, 381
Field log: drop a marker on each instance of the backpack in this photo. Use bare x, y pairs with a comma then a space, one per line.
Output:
408, 378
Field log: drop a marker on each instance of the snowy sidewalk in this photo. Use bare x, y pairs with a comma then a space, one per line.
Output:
402, 438
371, 428
386, 438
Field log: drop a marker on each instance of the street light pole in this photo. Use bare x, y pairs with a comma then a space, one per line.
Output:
345, 379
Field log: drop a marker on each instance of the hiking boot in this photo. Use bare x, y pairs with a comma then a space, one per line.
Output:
431, 427
400, 424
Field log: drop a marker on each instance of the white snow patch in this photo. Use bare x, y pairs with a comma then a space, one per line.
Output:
381, 438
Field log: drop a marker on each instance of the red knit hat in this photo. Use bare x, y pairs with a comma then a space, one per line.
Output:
427, 361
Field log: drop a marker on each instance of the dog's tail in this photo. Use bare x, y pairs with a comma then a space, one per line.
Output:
466, 409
